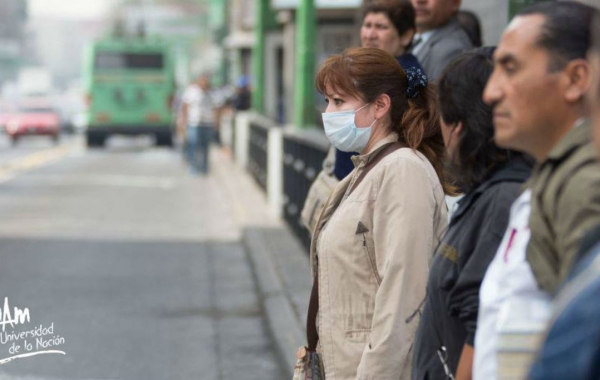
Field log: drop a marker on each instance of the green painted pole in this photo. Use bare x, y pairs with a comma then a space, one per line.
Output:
258, 56
218, 16
304, 91
515, 6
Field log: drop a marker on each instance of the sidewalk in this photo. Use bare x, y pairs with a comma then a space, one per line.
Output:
280, 263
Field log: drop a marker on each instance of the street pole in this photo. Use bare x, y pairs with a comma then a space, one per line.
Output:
218, 16
258, 56
304, 99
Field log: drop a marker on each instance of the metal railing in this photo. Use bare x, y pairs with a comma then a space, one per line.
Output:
257, 153
302, 162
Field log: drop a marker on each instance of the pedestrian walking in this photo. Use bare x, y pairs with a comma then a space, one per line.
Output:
372, 244
492, 179
242, 99
199, 115
536, 90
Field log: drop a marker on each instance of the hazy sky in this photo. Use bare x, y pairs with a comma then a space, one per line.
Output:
70, 9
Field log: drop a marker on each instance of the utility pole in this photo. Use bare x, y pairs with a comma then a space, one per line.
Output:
258, 56
304, 99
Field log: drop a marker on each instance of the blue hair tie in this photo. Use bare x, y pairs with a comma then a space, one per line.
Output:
416, 81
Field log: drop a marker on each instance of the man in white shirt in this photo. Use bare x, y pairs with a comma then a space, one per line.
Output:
536, 91
199, 113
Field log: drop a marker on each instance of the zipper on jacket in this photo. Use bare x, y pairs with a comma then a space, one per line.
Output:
371, 260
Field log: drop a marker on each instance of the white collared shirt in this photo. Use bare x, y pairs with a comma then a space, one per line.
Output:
510, 302
424, 37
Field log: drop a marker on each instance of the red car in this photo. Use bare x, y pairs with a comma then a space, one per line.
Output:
33, 121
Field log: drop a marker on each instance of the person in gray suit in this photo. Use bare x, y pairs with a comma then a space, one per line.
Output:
439, 36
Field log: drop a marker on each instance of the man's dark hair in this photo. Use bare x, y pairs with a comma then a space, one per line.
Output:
460, 92
566, 30
469, 22
400, 12
595, 44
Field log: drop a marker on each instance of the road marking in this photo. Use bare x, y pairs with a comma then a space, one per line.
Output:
109, 180
6, 360
33, 161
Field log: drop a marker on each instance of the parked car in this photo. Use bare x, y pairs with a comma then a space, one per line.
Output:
33, 121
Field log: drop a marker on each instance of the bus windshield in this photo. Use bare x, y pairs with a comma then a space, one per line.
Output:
119, 61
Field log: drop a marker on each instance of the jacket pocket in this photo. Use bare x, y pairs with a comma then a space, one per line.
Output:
358, 335
370, 253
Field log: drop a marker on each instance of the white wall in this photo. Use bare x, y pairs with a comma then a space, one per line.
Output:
493, 15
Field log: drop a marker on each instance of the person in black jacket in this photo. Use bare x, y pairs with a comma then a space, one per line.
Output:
492, 179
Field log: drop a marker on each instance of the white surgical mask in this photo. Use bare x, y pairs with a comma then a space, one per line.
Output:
343, 133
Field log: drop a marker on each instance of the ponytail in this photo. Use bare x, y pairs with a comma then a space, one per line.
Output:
420, 130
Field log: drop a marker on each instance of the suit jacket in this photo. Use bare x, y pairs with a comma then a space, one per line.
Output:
446, 43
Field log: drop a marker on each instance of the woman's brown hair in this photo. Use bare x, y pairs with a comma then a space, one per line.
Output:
368, 73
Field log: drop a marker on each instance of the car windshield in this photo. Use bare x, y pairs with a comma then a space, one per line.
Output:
115, 60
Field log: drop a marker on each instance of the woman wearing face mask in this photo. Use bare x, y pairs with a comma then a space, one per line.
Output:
492, 178
388, 25
373, 241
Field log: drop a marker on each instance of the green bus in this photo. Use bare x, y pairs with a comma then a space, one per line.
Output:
129, 88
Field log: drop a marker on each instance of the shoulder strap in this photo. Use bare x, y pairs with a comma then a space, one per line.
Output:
383, 152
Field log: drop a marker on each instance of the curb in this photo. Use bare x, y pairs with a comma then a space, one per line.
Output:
283, 319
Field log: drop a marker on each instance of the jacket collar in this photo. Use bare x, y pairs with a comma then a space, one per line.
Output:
367, 157
578, 136
515, 170
442, 32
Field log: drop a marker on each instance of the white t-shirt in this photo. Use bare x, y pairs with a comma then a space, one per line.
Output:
200, 106
510, 303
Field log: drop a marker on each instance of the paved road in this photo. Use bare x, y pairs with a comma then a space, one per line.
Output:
135, 265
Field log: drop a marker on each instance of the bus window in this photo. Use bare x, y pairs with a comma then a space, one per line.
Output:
116, 60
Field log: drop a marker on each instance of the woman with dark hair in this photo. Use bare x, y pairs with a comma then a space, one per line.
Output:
390, 25
469, 22
492, 178
373, 241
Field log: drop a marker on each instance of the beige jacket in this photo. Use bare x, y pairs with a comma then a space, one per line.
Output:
371, 251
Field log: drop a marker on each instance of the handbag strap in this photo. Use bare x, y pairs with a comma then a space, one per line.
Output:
313, 306
311, 321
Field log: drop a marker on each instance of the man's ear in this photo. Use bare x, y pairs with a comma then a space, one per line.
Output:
383, 104
577, 76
